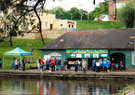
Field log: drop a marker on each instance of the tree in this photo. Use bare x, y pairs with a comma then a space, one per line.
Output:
58, 11
102, 8
127, 14
75, 13
83, 14
21, 9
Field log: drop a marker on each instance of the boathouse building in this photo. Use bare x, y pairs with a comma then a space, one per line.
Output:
108, 43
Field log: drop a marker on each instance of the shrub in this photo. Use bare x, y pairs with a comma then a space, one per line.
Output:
127, 14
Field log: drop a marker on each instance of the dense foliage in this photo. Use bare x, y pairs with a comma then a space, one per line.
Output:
16, 13
127, 14
74, 13
102, 8
79, 14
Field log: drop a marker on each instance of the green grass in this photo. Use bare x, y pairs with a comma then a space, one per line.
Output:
86, 25
25, 44
123, 91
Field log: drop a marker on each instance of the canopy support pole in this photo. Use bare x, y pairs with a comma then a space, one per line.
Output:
3, 62
21, 61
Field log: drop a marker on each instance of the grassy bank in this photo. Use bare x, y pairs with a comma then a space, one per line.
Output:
126, 90
86, 25
26, 44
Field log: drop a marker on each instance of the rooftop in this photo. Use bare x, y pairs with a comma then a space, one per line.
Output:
94, 39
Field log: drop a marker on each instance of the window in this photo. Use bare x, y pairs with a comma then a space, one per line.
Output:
133, 58
72, 26
69, 25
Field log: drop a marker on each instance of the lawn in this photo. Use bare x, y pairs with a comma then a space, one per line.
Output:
86, 25
25, 44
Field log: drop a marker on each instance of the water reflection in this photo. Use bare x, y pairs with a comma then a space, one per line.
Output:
57, 87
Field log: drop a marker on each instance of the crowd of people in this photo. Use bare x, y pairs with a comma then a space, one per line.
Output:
55, 64
49, 64
98, 65
19, 63
105, 65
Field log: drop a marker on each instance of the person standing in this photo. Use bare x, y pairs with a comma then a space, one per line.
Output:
117, 66
84, 65
94, 65
38, 64
56, 64
53, 64
50, 65
121, 65
76, 66
113, 64
47, 64
65, 65
105, 65
42, 64
79, 65
23, 63
59, 64
0, 63
101, 68
16, 63
108, 65
98, 66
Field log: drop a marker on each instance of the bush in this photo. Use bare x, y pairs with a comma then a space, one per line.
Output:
127, 14
64, 76
72, 76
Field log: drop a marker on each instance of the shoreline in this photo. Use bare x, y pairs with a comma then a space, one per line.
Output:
124, 75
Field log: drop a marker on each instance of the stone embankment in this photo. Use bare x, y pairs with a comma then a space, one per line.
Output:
69, 74
46, 34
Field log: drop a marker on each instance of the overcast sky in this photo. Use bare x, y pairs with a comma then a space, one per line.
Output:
67, 4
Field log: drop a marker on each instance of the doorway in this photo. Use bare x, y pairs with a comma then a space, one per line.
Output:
118, 57
51, 26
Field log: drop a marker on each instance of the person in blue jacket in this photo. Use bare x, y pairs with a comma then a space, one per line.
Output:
105, 65
94, 65
108, 65
101, 65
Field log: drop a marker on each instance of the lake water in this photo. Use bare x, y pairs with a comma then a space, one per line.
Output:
59, 87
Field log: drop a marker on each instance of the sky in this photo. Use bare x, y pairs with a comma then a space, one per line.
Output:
68, 4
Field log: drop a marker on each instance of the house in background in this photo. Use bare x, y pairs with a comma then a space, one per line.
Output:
49, 22
114, 6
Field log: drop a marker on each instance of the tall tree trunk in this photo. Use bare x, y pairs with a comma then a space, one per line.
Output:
40, 27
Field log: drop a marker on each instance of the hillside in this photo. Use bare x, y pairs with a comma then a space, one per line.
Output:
86, 25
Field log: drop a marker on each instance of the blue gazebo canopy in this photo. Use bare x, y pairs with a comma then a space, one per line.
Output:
17, 52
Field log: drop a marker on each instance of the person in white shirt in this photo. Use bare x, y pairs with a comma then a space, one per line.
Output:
97, 65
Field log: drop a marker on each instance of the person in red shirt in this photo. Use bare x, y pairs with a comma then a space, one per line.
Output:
42, 63
53, 64
47, 64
